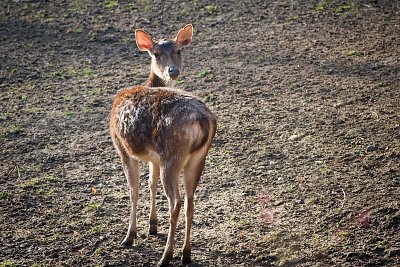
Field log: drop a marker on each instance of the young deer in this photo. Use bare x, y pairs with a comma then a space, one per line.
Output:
170, 129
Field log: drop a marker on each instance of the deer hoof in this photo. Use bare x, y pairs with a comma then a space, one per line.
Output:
153, 229
127, 242
163, 263
186, 259
186, 256
165, 260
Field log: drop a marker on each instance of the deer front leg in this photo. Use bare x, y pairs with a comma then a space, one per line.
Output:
154, 170
170, 181
132, 173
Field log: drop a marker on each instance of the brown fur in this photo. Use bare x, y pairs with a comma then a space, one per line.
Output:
156, 107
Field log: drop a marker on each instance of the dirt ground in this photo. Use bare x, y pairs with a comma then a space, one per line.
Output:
304, 170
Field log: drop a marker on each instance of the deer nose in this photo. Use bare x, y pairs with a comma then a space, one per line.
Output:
173, 72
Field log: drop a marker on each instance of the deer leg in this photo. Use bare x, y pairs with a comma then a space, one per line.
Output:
154, 170
132, 173
170, 181
191, 174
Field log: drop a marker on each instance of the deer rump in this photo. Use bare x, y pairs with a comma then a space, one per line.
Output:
162, 120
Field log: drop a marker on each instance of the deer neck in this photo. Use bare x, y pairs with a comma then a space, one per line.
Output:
155, 81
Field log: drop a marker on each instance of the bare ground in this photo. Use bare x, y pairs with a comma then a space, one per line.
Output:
304, 170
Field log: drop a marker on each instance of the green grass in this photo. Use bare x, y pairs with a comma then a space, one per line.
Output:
146, 5
92, 207
7, 263
55, 237
98, 229
37, 182
68, 113
3, 195
211, 9
203, 73
352, 53
13, 129
209, 98
71, 71
234, 218
343, 8
87, 72
325, 171
111, 4
321, 5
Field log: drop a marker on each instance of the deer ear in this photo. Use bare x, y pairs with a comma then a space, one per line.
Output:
143, 40
184, 36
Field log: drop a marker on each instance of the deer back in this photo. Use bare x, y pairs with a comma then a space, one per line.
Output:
161, 120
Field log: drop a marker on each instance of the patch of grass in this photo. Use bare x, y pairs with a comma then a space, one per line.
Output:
87, 72
50, 192
94, 92
77, 6
99, 251
92, 207
38, 181
111, 4
78, 30
343, 8
321, 5
343, 234
58, 73
3, 115
3, 195
211, 9
146, 5
71, 71
136, 68
98, 229
15, 70
68, 113
203, 73
13, 129
234, 218
352, 53
183, 12
209, 98
325, 170
7, 263
55, 237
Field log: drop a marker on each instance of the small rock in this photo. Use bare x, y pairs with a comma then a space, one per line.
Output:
372, 148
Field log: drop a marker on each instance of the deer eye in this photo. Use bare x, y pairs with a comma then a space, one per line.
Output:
157, 55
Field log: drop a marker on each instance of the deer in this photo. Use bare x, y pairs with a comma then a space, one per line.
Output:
170, 129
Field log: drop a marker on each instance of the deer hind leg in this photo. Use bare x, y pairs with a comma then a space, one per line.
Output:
169, 174
191, 173
153, 180
132, 173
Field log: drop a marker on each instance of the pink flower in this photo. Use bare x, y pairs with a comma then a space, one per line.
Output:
364, 217
263, 199
267, 216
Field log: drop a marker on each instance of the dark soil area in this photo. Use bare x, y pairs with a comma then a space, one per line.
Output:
304, 170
